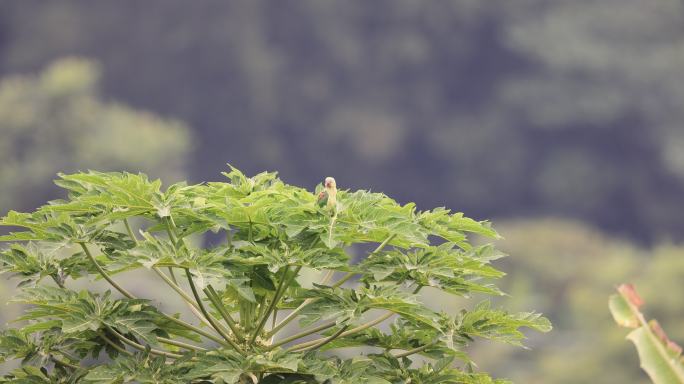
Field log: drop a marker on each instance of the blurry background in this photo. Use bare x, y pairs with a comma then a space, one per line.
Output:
562, 121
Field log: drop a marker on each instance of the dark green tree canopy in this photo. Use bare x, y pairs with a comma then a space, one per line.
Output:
581, 101
245, 290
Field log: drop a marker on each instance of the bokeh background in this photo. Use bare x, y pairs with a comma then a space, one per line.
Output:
561, 121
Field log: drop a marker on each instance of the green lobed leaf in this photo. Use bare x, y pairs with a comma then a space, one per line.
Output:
272, 231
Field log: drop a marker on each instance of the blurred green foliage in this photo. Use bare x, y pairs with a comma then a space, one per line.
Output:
58, 121
546, 107
567, 270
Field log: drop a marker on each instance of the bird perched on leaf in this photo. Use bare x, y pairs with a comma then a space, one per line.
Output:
328, 196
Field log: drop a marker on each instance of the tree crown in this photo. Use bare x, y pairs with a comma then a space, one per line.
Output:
246, 291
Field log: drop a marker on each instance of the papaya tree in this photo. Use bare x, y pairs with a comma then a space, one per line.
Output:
255, 319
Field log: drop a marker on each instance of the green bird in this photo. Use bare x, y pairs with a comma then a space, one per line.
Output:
328, 196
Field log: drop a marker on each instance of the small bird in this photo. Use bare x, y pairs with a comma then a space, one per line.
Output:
328, 196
